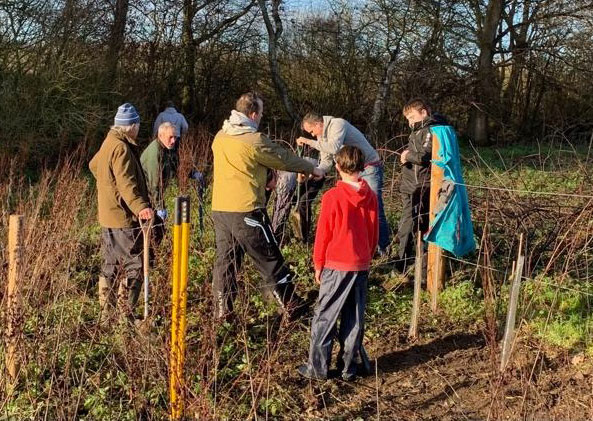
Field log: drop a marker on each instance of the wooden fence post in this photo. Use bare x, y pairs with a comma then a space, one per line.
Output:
13, 310
435, 272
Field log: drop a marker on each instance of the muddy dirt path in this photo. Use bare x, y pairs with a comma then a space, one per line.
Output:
449, 378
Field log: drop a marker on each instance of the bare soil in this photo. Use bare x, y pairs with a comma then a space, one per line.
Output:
451, 378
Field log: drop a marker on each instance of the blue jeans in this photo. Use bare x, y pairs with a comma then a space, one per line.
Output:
373, 175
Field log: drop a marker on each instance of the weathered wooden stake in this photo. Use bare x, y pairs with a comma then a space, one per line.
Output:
509, 330
413, 332
13, 310
435, 272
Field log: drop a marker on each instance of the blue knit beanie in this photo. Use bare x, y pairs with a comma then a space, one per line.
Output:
126, 115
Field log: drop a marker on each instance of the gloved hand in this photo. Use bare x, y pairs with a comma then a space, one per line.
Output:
162, 213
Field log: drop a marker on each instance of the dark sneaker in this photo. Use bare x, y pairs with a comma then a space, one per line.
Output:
304, 371
296, 309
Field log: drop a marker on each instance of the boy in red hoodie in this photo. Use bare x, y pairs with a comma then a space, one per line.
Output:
346, 239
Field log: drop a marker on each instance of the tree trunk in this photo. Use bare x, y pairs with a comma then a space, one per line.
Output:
519, 48
375, 126
188, 96
116, 40
273, 38
485, 91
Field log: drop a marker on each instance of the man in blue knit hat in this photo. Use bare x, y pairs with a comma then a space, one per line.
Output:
123, 200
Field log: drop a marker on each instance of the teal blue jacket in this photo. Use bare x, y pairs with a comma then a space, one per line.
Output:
452, 228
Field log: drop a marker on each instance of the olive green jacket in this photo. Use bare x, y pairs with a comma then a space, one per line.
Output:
157, 168
241, 162
121, 186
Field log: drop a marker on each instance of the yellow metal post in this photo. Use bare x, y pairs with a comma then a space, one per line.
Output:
181, 312
173, 380
179, 303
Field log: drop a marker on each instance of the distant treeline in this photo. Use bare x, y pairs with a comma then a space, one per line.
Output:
502, 70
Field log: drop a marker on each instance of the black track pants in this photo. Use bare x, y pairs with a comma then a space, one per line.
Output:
240, 233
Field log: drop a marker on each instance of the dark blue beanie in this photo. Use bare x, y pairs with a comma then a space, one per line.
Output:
126, 115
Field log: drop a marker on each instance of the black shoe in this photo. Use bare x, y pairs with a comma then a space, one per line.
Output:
304, 371
296, 309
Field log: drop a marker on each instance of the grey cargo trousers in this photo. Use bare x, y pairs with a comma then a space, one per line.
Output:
121, 248
342, 294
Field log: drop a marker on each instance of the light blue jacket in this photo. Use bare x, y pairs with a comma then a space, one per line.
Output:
174, 117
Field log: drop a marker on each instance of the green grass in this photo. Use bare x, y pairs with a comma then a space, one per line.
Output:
559, 312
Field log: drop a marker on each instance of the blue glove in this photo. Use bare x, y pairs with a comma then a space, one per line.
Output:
196, 175
162, 213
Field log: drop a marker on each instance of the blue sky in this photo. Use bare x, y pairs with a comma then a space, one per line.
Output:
308, 4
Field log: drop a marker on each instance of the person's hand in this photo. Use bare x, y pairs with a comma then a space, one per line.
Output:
145, 214
318, 276
404, 156
272, 181
318, 174
162, 213
303, 141
301, 178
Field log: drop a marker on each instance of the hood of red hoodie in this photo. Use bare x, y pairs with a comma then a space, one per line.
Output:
356, 197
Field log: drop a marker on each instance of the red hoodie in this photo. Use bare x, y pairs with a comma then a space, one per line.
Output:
348, 228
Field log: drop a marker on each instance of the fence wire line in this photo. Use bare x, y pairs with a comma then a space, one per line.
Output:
581, 196
526, 278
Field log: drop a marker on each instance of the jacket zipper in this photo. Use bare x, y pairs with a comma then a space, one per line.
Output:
415, 166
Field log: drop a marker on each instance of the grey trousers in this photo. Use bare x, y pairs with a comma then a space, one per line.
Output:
122, 251
342, 294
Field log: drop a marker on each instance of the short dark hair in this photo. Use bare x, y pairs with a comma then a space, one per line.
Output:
169, 104
417, 104
249, 103
311, 118
350, 159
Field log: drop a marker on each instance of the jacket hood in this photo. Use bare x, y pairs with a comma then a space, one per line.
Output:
120, 135
435, 119
238, 123
356, 197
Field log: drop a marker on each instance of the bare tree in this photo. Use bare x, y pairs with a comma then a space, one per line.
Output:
116, 39
190, 42
275, 30
392, 21
485, 89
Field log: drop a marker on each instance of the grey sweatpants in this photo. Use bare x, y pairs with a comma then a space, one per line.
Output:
341, 294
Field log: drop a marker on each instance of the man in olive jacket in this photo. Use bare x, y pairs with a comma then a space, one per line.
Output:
242, 158
122, 201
